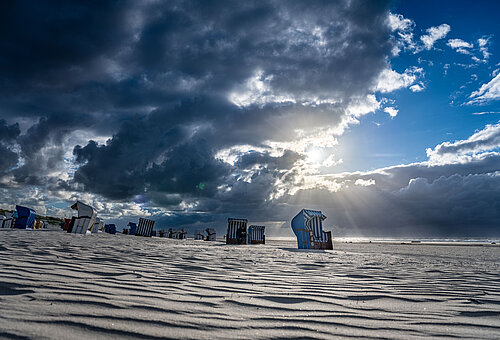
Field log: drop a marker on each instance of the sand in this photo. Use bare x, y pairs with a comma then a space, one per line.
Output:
64, 286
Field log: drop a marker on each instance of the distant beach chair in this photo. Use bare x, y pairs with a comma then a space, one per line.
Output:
8, 222
145, 227
85, 220
308, 227
256, 234
211, 234
132, 228
25, 217
179, 234
110, 228
199, 234
236, 231
98, 225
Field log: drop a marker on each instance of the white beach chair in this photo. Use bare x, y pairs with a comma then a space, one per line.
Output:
85, 220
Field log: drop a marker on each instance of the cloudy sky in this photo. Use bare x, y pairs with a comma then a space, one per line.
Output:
384, 115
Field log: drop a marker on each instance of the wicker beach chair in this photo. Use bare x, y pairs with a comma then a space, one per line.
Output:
308, 228
85, 220
25, 217
199, 234
236, 231
211, 234
256, 234
145, 227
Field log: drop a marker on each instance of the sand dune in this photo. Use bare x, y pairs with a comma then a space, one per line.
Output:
58, 285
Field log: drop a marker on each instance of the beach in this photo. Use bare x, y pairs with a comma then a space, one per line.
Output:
56, 285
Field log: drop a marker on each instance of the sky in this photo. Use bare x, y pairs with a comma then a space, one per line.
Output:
383, 115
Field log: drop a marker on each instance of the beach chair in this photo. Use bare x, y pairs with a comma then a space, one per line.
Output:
8, 222
110, 228
199, 234
256, 234
132, 228
179, 234
236, 231
25, 217
145, 227
97, 225
211, 234
85, 220
308, 228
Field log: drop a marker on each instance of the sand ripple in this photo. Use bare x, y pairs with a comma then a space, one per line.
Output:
58, 285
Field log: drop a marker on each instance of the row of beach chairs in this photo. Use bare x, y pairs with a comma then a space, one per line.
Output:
307, 226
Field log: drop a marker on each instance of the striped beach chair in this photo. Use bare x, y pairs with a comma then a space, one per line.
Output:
85, 220
256, 234
236, 231
307, 226
145, 227
25, 217
211, 234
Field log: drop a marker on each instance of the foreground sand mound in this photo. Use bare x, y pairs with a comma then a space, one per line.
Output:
58, 285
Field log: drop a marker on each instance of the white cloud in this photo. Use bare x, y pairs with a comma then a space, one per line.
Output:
459, 43
417, 87
485, 113
403, 30
365, 182
483, 47
434, 34
483, 141
391, 111
487, 92
390, 80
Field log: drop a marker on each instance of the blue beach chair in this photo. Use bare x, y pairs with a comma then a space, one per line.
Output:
308, 227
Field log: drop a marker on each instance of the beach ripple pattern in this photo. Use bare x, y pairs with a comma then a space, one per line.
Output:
55, 285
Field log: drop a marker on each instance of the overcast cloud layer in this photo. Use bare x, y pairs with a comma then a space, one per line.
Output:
194, 111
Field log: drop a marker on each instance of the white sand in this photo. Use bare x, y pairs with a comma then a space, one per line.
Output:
65, 286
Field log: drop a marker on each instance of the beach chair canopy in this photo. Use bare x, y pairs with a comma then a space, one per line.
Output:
25, 217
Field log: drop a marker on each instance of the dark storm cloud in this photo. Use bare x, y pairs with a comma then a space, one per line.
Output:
198, 52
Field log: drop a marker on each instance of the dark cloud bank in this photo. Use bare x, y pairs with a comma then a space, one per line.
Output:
157, 79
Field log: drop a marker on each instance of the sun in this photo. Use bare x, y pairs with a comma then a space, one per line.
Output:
314, 155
